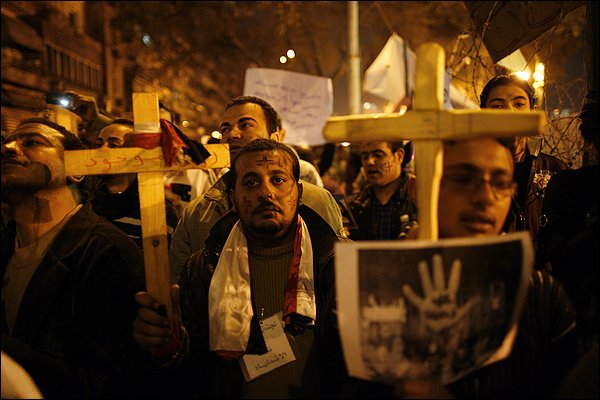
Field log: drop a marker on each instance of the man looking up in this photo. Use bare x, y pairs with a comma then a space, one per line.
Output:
245, 119
69, 276
273, 258
533, 168
386, 207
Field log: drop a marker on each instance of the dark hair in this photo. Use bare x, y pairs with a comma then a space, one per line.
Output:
273, 121
258, 145
70, 141
503, 80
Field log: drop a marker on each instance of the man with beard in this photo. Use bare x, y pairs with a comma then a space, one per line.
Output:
267, 265
69, 276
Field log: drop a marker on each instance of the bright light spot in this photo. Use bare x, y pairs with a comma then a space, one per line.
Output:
185, 123
523, 75
345, 144
216, 134
539, 67
367, 105
64, 102
402, 110
147, 39
291, 53
283, 59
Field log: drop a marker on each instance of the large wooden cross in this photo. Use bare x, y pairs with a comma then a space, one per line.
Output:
150, 167
428, 125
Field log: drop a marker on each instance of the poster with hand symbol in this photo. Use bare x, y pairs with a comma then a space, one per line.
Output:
430, 309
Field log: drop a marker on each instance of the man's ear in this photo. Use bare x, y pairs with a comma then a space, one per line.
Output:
400, 155
232, 197
278, 136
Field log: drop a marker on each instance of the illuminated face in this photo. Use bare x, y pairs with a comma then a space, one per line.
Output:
380, 164
114, 136
265, 194
476, 188
512, 98
32, 159
241, 124
508, 97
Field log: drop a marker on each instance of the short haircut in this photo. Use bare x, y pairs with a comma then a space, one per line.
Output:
70, 141
395, 145
509, 143
270, 113
258, 145
504, 80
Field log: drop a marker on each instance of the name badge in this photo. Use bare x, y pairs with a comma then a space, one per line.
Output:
279, 350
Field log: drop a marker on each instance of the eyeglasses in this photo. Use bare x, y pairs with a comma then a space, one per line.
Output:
501, 187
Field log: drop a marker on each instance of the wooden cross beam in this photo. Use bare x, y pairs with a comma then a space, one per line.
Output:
428, 125
150, 167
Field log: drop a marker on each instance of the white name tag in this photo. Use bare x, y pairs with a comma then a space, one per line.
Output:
279, 350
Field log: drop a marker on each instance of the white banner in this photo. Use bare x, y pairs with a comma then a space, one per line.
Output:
304, 102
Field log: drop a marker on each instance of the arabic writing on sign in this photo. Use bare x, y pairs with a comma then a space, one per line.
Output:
303, 101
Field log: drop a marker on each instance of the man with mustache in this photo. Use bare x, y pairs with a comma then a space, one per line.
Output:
69, 276
267, 263
385, 209
475, 197
246, 118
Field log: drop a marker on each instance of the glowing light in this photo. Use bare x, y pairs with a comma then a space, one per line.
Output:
216, 134
367, 105
402, 110
185, 123
147, 39
523, 75
345, 144
291, 53
64, 102
283, 59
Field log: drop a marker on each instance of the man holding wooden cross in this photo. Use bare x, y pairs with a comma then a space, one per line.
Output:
69, 276
467, 181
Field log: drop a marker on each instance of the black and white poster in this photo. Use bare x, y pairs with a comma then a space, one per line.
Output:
432, 310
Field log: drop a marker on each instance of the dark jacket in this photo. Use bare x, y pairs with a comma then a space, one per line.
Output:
357, 210
205, 375
123, 210
532, 176
73, 329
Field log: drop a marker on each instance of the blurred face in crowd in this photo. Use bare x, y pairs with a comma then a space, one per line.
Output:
114, 136
512, 98
32, 159
381, 165
266, 193
476, 188
243, 123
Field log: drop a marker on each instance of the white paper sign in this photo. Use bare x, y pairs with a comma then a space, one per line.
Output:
430, 310
279, 350
304, 102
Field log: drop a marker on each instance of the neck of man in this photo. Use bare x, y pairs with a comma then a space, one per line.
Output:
272, 240
36, 214
384, 193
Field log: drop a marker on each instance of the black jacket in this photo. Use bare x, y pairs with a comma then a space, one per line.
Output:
325, 360
73, 329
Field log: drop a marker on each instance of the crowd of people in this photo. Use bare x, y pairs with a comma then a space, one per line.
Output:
253, 283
